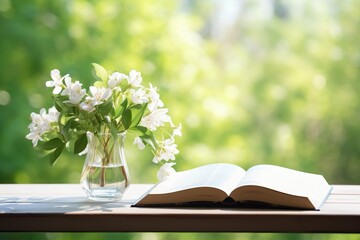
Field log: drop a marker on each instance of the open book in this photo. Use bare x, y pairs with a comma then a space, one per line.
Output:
230, 184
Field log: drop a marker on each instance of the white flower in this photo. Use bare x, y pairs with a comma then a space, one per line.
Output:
88, 105
34, 136
115, 79
154, 97
40, 124
166, 171
177, 131
56, 81
37, 119
138, 96
167, 151
138, 141
100, 94
134, 78
74, 91
53, 115
155, 119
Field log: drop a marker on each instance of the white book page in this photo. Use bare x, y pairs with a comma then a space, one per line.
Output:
288, 181
222, 176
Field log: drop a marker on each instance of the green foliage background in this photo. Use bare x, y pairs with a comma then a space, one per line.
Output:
251, 81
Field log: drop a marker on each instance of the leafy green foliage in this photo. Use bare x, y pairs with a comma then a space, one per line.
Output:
101, 72
51, 144
80, 144
53, 156
120, 108
98, 114
137, 112
105, 108
126, 118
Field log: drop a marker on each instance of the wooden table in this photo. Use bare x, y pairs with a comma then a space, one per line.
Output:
64, 207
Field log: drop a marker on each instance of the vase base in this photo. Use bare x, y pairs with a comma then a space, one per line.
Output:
105, 195
105, 199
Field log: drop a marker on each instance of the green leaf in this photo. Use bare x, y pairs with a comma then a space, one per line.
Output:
69, 125
61, 106
53, 156
98, 118
105, 108
124, 103
149, 139
59, 102
126, 118
137, 113
58, 106
100, 72
51, 144
80, 144
140, 129
120, 108
99, 84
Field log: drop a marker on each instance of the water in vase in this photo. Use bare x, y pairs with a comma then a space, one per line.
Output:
104, 183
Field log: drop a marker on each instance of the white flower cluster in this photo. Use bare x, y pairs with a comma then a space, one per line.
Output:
99, 95
167, 148
41, 123
137, 94
76, 93
124, 92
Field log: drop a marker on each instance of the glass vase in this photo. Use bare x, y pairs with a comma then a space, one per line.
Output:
105, 175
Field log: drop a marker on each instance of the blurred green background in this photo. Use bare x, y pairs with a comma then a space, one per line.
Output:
251, 82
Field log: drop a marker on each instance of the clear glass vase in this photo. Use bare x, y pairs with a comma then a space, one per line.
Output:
105, 175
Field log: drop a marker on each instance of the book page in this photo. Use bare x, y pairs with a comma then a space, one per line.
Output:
221, 176
288, 181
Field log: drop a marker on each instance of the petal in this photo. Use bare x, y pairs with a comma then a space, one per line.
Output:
55, 74
107, 93
42, 111
68, 82
93, 90
50, 83
57, 89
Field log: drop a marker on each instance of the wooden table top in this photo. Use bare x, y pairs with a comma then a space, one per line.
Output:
64, 207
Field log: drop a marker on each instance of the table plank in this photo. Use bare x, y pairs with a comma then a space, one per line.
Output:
64, 207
